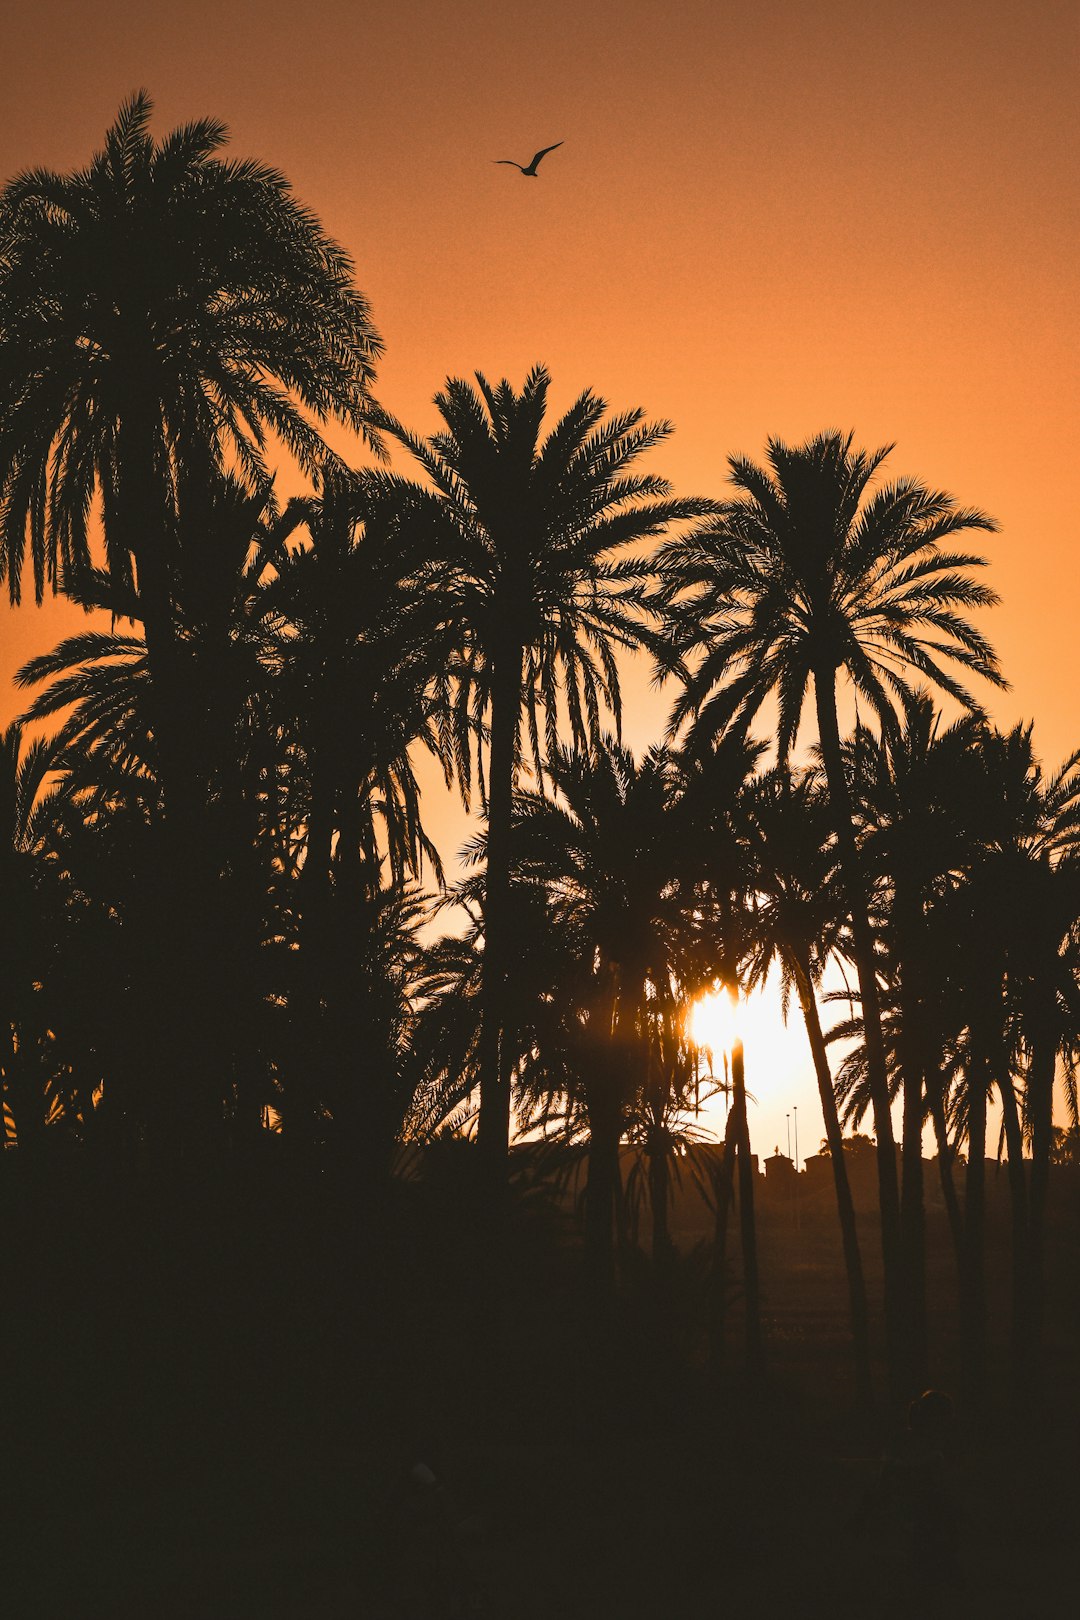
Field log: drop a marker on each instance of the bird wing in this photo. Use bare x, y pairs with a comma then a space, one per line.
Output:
543, 152
511, 162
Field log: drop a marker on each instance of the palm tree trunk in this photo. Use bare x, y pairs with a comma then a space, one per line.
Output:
1041, 1089
909, 928
181, 1082
974, 1283
912, 1203
722, 1187
945, 1167
315, 889
1022, 1219
494, 1121
659, 1197
862, 936
355, 1063
755, 1350
246, 931
845, 1206
601, 1196
236, 889
913, 1228
604, 1105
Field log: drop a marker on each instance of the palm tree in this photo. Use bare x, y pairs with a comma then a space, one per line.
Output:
75, 965
716, 787
359, 649
917, 796
661, 1123
1017, 911
161, 312
605, 943
541, 584
797, 923
369, 1095
806, 576
978, 930
610, 851
96, 693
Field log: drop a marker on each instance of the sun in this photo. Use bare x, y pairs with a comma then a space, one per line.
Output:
772, 1045
714, 1022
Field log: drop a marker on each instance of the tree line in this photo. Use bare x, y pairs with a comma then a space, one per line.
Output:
216, 874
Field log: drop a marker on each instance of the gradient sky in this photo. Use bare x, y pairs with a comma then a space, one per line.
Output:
767, 217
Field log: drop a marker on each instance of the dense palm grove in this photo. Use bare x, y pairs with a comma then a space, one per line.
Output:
217, 882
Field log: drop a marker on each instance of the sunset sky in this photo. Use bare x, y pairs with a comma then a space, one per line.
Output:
766, 218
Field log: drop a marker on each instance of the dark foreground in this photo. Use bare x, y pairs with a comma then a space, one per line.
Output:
216, 1394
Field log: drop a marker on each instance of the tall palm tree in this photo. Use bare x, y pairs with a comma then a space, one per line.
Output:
541, 585
611, 852
978, 927
361, 650
161, 312
797, 922
360, 653
549, 1047
1017, 912
717, 784
917, 795
808, 575
661, 1122
96, 692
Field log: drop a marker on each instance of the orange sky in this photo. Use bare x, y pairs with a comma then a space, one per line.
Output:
768, 216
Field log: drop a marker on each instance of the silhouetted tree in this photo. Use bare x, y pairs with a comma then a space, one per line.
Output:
97, 698
542, 586
808, 576
361, 652
717, 776
160, 312
916, 791
611, 851
797, 922
1018, 923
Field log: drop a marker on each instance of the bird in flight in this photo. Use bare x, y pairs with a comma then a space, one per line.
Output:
531, 169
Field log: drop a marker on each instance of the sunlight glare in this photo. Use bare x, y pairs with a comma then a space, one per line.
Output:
714, 1022
773, 1047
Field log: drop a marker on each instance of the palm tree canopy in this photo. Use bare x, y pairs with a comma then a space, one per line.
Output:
920, 798
808, 572
609, 851
361, 652
160, 306
542, 583
798, 907
1018, 905
640, 879
538, 532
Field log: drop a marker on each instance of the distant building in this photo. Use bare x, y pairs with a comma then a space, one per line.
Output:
780, 1175
860, 1160
817, 1168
